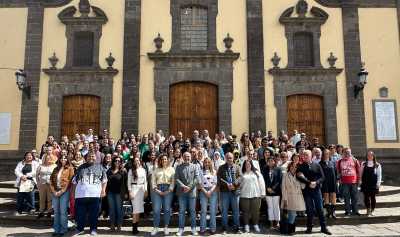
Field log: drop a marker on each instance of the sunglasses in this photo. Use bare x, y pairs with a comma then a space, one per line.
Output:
117, 161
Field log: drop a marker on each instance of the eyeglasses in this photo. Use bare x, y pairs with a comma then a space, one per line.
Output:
117, 160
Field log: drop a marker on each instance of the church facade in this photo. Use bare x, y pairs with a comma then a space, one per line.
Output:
231, 65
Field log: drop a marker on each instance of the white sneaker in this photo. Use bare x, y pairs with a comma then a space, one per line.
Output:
247, 228
93, 233
180, 232
194, 232
166, 230
154, 232
257, 229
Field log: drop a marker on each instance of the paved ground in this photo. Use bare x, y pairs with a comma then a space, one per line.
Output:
387, 229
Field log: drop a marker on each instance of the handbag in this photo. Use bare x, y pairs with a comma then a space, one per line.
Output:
26, 186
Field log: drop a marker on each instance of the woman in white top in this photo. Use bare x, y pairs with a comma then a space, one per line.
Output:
137, 187
217, 160
252, 188
208, 196
43, 180
26, 180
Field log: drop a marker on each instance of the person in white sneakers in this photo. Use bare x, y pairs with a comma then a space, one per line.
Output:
252, 188
162, 183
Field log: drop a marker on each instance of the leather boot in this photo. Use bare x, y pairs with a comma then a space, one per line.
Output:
333, 210
327, 208
135, 228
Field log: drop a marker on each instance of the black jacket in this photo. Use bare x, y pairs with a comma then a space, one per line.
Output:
275, 182
312, 172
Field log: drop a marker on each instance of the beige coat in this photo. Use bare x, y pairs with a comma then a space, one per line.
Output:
291, 193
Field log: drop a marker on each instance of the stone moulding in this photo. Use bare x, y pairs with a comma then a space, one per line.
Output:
27, 3
65, 82
214, 68
304, 71
358, 3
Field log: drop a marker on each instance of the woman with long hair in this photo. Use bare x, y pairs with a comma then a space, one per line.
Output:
43, 180
137, 188
116, 180
208, 196
292, 196
371, 179
329, 184
25, 182
60, 181
252, 188
162, 186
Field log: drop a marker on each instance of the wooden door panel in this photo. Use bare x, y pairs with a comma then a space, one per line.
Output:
193, 105
80, 112
306, 114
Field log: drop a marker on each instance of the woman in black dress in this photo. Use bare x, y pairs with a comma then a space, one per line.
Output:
371, 178
329, 185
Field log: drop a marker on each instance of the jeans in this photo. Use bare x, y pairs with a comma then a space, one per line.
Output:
115, 208
25, 201
313, 200
84, 207
60, 207
230, 199
204, 201
291, 216
185, 200
350, 194
163, 202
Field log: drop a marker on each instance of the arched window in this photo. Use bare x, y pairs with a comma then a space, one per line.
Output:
303, 49
194, 28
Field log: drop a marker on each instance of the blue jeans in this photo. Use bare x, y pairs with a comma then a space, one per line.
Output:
25, 201
186, 200
204, 201
114, 208
84, 207
350, 194
313, 200
60, 206
230, 199
291, 216
163, 202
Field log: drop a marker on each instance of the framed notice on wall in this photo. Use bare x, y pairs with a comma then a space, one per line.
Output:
5, 128
385, 120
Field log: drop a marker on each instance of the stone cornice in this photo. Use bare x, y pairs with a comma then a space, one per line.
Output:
193, 56
304, 71
27, 3
80, 71
358, 3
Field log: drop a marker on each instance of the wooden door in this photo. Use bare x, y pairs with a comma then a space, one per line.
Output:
80, 112
306, 114
193, 105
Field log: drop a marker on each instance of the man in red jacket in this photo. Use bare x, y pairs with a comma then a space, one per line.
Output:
348, 169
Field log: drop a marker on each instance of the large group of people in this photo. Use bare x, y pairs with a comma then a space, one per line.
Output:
91, 176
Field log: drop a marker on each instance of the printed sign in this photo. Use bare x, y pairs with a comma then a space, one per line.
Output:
5, 128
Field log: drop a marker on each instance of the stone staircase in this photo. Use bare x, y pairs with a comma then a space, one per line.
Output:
387, 211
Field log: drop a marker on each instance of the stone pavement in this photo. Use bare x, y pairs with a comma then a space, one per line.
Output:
385, 229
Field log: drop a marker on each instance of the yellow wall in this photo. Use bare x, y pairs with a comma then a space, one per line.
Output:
12, 44
331, 41
381, 53
54, 40
231, 19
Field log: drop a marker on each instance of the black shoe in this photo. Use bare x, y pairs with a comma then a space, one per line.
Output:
309, 230
55, 234
347, 213
135, 230
41, 214
357, 214
326, 231
48, 214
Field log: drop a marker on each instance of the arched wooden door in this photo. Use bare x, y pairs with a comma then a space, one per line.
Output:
306, 114
193, 105
80, 112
